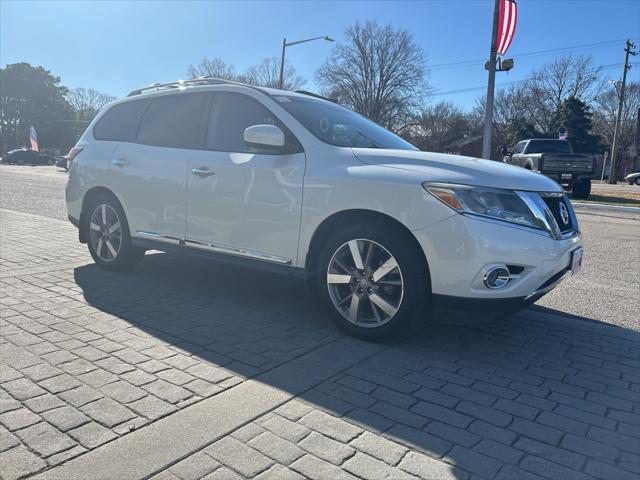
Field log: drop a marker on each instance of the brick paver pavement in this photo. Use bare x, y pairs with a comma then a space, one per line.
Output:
93, 362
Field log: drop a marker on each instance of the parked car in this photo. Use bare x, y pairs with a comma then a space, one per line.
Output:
295, 183
61, 162
556, 160
633, 178
24, 156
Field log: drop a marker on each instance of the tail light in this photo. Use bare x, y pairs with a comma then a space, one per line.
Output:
73, 153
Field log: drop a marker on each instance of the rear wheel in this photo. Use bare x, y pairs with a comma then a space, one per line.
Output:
582, 190
638, 181
20, 161
108, 235
371, 280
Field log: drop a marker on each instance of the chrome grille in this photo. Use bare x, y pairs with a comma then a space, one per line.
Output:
556, 205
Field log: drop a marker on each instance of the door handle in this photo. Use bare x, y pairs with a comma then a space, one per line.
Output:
119, 162
202, 172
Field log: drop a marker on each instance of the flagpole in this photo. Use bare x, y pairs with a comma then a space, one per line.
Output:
488, 116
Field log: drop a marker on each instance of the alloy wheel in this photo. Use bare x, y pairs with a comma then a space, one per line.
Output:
105, 232
365, 283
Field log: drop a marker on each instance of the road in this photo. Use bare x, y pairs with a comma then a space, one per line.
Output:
606, 290
38, 190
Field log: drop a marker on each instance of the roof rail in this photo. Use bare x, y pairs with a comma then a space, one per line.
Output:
311, 94
154, 87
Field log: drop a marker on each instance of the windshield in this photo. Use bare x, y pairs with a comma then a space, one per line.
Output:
548, 146
338, 126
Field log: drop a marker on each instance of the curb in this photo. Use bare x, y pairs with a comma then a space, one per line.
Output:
611, 208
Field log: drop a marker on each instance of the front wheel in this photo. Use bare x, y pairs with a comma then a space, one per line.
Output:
108, 236
372, 280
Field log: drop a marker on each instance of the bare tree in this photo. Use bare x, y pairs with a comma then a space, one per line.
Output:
378, 71
513, 116
87, 102
267, 74
554, 82
440, 125
212, 67
530, 108
263, 74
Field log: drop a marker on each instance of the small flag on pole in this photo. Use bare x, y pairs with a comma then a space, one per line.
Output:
33, 136
506, 25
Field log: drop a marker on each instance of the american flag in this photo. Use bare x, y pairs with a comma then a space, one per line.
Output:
506, 25
33, 136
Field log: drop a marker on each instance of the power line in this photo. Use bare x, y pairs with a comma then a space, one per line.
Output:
538, 53
506, 84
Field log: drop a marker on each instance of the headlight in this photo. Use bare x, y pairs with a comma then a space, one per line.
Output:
521, 208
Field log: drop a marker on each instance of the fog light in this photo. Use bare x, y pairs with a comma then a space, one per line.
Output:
496, 277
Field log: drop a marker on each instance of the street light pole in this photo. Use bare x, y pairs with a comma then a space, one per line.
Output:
616, 131
285, 45
281, 81
488, 115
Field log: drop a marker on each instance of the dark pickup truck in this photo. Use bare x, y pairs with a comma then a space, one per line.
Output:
554, 159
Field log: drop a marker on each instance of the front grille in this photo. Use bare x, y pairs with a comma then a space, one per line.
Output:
555, 204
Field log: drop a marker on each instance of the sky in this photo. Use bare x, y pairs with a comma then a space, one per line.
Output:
116, 47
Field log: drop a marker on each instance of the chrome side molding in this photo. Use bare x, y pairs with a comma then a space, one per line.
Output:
215, 248
160, 237
238, 252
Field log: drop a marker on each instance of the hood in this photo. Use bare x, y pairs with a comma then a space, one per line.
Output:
438, 167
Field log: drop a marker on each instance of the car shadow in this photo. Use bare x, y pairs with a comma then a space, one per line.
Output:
481, 391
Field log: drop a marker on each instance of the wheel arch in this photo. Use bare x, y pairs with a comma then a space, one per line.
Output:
349, 217
88, 197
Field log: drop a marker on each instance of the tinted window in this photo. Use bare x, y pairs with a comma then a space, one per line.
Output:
172, 121
338, 126
230, 115
519, 148
548, 146
117, 122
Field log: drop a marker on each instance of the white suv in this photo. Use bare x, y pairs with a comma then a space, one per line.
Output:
298, 183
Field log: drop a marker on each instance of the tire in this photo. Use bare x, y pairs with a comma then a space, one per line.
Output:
581, 190
108, 237
20, 161
638, 181
50, 162
385, 303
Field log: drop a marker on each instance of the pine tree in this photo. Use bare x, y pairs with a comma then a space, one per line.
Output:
576, 117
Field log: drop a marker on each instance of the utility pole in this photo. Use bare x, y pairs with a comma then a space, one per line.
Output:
637, 143
488, 114
616, 132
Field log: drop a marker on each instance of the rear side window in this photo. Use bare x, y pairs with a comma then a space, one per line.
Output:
231, 114
116, 124
519, 148
172, 121
548, 146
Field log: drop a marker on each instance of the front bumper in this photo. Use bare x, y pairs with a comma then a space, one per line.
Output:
499, 304
460, 248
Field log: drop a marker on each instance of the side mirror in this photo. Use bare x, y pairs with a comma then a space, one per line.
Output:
504, 151
264, 136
